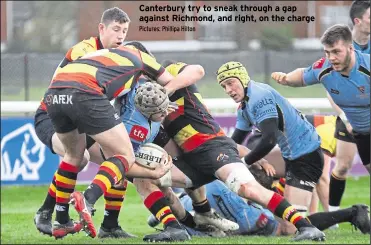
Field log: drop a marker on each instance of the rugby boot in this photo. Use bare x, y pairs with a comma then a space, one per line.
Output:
360, 219
169, 234
213, 218
85, 210
62, 230
309, 233
43, 221
116, 232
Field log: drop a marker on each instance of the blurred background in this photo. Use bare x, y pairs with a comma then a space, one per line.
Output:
35, 36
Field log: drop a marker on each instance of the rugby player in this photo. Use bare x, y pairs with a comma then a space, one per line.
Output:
89, 84
113, 29
345, 73
280, 123
360, 16
208, 154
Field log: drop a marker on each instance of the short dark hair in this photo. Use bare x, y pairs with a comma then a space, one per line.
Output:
114, 14
166, 63
336, 33
261, 176
139, 46
358, 9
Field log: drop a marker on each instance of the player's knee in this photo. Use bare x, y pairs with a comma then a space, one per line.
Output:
341, 170
238, 177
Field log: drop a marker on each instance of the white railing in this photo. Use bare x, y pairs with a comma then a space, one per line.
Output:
219, 106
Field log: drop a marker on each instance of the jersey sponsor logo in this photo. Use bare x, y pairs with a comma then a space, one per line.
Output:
334, 91
22, 154
319, 63
262, 103
138, 133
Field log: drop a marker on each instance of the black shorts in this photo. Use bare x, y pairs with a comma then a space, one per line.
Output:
71, 109
341, 132
363, 146
201, 164
44, 128
305, 171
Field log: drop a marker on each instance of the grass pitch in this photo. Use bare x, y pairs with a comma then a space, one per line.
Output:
19, 204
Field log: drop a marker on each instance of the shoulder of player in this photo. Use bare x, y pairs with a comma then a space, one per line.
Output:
90, 43
321, 64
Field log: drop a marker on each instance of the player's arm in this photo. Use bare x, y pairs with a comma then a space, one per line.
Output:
292, 79
188, 75
239, 135
269, 130
157, 72
302, 76
339, 111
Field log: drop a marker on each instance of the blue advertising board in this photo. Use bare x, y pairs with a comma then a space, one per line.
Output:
25, 160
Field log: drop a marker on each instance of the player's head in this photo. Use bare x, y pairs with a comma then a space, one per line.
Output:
113, 27
261, 176
152, 101
338, 47
360, 15
139, 46
233, 78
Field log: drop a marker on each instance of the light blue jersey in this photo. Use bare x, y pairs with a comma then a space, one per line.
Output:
251, 218
296, 136
351, 94
140, 129
365, 50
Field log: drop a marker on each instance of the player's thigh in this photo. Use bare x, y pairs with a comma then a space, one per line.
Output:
302, 175
363, 146
96, 155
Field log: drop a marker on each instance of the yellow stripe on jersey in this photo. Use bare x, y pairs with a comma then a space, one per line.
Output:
180, 101
184, 134
120, 60
150, 61
75, 67
199, 97
174, 69
84, 47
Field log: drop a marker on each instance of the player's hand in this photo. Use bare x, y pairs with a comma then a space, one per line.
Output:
280, 77
172, 107
165, 165
268, 168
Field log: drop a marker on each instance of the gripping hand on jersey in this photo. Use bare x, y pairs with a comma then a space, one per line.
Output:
280, 77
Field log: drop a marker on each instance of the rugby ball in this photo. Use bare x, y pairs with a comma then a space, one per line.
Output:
149, 155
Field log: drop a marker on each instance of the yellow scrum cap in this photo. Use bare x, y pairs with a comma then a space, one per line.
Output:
233, 69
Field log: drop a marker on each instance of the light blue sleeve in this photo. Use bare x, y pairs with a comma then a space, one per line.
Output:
265, 107
311, 73
242, 123
310, 76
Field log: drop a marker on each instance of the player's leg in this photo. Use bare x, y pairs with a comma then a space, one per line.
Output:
97, 119
239, 179
156, 202
345, 151
321, 192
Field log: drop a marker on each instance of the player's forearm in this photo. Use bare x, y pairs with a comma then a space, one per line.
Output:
295, 78
190, 75
137, 171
